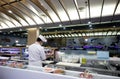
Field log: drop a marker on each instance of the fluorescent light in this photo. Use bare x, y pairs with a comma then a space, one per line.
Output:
109, 33
83, 34
89, 22
59, 36
118, 33
79, 34
66, 35
60, 25
86, 40
69, 35
100, 33
104, 33
91, 34
62, 35
87, 34
72, 35
90, 25
114, 33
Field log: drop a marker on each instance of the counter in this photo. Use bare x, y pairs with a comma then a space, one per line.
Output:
16, 73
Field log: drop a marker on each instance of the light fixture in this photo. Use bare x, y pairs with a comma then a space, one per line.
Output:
79, 34
20, 29
10, 11
11, 31
65, 35
45, 29
90, 25
16, 41
59, 36
114, 26
86, 40
91, 28
62, 35
60, 25
89, 22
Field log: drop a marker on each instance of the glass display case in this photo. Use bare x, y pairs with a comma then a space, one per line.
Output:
94, 61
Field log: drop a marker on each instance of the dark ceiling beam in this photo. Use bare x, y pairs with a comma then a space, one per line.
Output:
3, 10
4, 23
6, 3
17, 13
103, 2
39, 5
62, 4
89, 10
26, 11
22, 10
53, 8
25, 4
7, 19
115, 10
77, 10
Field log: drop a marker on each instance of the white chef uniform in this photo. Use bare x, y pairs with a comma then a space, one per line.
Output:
36, 53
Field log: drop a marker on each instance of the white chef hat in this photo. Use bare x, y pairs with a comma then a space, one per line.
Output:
42, 38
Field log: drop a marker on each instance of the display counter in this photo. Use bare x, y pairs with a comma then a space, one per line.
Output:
16, 73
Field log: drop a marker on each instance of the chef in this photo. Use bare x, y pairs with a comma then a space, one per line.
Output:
36, 52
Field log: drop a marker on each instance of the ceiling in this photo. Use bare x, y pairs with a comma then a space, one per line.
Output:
52, 15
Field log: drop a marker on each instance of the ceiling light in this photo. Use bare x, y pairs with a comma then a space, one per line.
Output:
76, 35
60, 25
89, 22
90, 25
81, 9
87, 34
62, 35
45, 29
46, 37
83, 34
11, 31
65, 35
86, 40
20, 29
69, 35
40, 27
59, 36
114, 26
109, 33
79, 34
49, 36
10, 11
16, 41
72, 35
55, 35
118, 33
91, 28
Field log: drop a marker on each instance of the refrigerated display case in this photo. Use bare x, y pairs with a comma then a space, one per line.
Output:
95, 61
